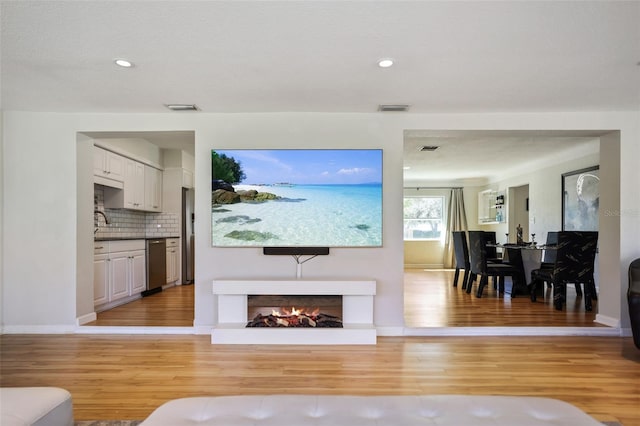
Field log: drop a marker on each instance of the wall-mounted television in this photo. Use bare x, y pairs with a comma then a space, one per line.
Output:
296, 198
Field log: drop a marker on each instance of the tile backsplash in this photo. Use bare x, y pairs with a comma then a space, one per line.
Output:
130, 223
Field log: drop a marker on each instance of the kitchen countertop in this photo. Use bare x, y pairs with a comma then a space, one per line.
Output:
118, 238
129, 238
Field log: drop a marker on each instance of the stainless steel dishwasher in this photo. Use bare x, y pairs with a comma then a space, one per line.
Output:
156, 265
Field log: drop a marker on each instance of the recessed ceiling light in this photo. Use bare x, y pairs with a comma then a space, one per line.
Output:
385, 62
123, 63
393, 108
182, 107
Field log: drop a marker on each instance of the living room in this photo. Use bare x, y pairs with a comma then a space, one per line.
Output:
47, 214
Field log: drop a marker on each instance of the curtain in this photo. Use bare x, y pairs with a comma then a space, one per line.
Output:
457, 221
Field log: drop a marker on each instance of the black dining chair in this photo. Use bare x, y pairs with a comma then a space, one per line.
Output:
461, 251
549, 254
492, 252
549, 259
513, 257
575, 259
481, 267
633, 300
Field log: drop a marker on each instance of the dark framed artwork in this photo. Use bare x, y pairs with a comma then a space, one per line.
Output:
580, 199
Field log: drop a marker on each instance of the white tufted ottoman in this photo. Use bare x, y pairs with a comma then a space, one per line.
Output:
37, 406
325, 410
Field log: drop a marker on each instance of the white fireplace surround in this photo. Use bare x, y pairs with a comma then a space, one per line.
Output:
357, 312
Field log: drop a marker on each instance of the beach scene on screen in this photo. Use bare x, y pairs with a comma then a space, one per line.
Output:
326, 198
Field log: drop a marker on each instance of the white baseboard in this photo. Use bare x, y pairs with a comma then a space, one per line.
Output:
608, 321
626, 332
381, 331
133, 330
512, 331
38, 329
390, 331
84, 319
203, 329
200, 328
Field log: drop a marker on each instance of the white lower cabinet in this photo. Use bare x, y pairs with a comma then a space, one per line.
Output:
173, 260
100, 279
119, 272
138, 272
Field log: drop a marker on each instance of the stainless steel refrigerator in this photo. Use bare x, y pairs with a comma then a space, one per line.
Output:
188, 197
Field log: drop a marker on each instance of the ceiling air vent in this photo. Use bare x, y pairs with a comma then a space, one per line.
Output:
429, 148
182, 107
393, 108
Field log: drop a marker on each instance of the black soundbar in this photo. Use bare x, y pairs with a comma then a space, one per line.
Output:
296, 251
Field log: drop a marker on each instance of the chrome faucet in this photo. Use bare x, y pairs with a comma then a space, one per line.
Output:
106, 220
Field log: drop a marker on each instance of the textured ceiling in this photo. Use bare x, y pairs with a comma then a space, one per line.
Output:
475, 157
247, 56
320, 56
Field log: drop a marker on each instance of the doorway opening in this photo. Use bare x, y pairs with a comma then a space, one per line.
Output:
527, 166
149, 195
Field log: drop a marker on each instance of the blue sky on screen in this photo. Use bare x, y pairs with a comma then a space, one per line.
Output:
309, 166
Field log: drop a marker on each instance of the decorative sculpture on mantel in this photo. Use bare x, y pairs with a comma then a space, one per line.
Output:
519, 239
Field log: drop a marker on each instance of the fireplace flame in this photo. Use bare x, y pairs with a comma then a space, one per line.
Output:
295, 312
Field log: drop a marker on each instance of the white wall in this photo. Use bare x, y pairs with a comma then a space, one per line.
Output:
40, 202
610, 225
1, 218
84, 214
39, 282
303, 130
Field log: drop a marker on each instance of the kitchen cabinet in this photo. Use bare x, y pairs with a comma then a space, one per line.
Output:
100, 279
119, 272
152, 189
142, 189
108, 165
187, 179
173, 260
138, 272
133, 185
491, 207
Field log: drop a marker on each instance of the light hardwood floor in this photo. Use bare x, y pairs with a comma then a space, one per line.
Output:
172, 307
128, 376
430, 301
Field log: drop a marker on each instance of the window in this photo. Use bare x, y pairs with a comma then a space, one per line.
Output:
423, 218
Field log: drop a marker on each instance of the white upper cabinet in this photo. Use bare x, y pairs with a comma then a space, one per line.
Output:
187, 178
108, 165
152, 189
141, 190
134, 185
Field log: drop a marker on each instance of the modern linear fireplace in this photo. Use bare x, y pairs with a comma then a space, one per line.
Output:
310, 311
294, 312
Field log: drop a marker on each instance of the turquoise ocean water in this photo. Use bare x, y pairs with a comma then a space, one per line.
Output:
307, 215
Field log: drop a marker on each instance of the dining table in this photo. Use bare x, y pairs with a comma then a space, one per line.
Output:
531, 253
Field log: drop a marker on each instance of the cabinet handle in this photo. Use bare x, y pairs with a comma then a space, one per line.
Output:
98, 248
